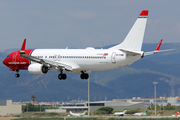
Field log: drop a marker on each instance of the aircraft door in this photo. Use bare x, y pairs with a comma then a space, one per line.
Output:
55, 57
113, 58
59, 56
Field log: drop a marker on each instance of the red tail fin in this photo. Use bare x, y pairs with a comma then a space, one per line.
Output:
144, 13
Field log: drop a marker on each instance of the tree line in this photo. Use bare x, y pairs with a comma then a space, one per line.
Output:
161, 107
31, 107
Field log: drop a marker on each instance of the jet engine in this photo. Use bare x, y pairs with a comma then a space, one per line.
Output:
37, 69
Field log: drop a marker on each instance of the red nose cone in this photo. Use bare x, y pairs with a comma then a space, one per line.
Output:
5, 62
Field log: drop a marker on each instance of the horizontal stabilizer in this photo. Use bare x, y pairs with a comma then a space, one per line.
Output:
132, 53
153, 52
157, 49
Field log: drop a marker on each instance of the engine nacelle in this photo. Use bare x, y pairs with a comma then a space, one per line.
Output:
37, 69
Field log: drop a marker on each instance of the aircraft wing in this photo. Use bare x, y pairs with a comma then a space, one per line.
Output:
47, 63
157, 49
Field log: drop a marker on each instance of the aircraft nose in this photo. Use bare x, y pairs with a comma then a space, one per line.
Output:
5, 62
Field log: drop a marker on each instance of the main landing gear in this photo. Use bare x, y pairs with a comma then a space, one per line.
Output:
17, 74
62, 76
84, 75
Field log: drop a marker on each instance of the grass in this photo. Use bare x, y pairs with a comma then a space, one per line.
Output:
43, 114
97, 119
63, 116
161, 113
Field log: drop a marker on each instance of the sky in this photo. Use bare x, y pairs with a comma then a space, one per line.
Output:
84, 23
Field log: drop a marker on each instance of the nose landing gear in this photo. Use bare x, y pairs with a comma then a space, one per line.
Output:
17, 74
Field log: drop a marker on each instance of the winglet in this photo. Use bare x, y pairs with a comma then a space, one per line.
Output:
23, 45
159, 45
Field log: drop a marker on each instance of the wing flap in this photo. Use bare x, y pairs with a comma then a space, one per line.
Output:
58, 65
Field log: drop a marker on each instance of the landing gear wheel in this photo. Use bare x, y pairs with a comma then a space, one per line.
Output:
62, 76
84, 76
17, 75
44, 69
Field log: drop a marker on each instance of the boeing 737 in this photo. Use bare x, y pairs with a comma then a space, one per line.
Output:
79, 61
78, 114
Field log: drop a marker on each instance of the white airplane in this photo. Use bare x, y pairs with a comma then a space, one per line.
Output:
78, 114
78, 61
140, 114
120, 113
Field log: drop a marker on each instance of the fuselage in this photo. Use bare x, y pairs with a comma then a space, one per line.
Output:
139, 114
78, 114
78, 59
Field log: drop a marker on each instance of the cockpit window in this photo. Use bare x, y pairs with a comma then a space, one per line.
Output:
8, 56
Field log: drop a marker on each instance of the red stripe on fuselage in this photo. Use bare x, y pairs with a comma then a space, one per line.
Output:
16, 62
